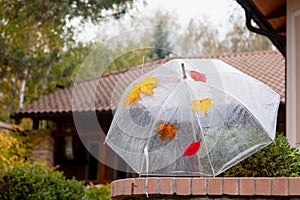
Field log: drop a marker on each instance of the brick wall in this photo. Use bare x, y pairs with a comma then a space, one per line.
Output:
44, 151
206, 188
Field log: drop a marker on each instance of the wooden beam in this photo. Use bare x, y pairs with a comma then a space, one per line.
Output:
278, 12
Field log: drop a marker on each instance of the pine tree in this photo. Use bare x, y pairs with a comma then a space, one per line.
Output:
160, 43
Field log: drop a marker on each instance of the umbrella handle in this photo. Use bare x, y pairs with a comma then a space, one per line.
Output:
183, 71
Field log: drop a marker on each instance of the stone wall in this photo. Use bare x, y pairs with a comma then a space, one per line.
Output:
44, 151
206, 188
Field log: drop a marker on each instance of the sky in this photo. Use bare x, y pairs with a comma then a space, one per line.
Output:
217, 11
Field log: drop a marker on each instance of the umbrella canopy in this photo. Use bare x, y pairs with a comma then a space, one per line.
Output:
192, 117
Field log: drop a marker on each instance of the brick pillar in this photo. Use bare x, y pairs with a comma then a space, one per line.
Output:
44, 151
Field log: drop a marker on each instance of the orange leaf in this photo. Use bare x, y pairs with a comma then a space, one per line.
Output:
192, 148
145, 86
202, 105
165, 129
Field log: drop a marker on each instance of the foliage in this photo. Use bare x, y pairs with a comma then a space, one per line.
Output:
129, 59
97, 192
278, 159
133, 48
16, 146
36, 181
11, 150
42, 44
199, 37
160, 43
240, 39
33, 43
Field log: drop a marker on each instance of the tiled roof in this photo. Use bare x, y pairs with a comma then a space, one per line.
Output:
266, 66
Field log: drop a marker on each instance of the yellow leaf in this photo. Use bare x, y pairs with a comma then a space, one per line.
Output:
145, 87
148, 84
202, 105
133, 94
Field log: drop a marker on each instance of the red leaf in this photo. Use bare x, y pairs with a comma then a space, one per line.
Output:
192, 149
197, 76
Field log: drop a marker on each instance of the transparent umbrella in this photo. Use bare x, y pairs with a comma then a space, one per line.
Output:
192, 117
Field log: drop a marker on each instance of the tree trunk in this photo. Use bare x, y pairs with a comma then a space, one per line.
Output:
22, 89
13, 95
46, 81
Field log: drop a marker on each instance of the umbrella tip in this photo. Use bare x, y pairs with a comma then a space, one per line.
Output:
183, 70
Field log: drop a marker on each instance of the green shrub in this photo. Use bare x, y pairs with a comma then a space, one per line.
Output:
36, 181
278, 159
97, 192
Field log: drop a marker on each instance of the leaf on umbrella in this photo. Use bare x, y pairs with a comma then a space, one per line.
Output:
133, 94
192, 148
166, 129
145, 86
202, 105
148, 84
197, 76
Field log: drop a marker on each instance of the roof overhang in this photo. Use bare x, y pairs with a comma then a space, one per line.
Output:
270, 17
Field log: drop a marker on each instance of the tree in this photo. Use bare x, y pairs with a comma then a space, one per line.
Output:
131, 45
200, 38
34, 35
160, 43
237, 38
240, 39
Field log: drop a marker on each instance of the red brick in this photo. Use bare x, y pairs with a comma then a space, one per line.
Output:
128, 184
246, 186
294, 186
199, 186
113, 189
183, 186
138, 187
214, 186
166, 184
280, 186
118, 187
151, 184
263, 186
231, 186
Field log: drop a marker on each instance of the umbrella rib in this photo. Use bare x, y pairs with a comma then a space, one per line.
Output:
252, 115
209, 160
152, 127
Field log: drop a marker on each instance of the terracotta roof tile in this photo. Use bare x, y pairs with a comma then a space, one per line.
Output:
266, 66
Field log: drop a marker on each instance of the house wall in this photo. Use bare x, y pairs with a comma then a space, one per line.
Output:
293, 71
64, 148
44, 151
